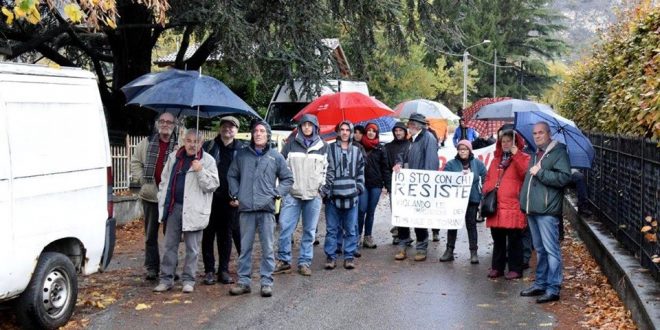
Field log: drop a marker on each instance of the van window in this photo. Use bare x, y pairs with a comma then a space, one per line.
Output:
280, 114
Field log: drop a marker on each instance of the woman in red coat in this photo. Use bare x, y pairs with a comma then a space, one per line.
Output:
509, 221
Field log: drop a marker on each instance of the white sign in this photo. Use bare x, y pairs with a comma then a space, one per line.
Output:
430, 199
485, 155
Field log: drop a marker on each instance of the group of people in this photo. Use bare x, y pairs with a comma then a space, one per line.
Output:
225, 190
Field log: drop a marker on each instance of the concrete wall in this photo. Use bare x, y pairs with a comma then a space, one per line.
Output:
127, 208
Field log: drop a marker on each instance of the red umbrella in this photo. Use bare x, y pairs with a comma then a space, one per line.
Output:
485, 128
332, 108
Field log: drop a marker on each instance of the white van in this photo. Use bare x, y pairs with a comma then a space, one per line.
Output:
282, 108
56, 215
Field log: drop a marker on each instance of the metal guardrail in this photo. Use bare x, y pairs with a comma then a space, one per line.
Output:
624, 185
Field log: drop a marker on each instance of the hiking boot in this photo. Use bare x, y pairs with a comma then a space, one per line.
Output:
474, 259
239, 290
162, 287
436, 236
304, 270
494, 273
448, 255
349, 264
188, 288
282, 267
420, 255
369, 242
512, 275
266, 291
209, 278
225, 278
152, 275
330, 264
400, 255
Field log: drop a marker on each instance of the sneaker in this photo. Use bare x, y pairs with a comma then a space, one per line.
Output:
209, 278
304, 270
512, 275
188, 288
420, 256
239, 290
162, 287
349, 264
330, 264
369, 242
494, 273
152, 275
266, 291
282, 267
400, 255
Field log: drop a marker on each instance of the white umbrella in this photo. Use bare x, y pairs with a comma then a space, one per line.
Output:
430, 110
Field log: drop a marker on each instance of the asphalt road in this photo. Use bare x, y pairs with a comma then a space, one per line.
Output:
380, 293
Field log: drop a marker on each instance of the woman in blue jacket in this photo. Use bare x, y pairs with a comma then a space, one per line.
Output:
466, 162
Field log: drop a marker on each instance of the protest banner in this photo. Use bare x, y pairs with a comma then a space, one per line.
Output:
485, 155
430, 199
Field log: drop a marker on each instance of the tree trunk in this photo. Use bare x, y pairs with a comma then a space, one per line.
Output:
131, 49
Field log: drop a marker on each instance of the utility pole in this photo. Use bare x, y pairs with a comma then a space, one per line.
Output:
465, 70
495, 74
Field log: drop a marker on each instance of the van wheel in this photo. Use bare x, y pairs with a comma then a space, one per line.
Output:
51, 295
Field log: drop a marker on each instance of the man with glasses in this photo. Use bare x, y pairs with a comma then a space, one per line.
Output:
147, 165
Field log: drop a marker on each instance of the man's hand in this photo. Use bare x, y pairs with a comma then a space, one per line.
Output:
196, 165
396, 168
535, 169
234, 203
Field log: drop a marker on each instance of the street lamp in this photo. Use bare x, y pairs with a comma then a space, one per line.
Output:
465, 69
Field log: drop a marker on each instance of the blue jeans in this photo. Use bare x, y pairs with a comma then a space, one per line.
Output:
289, 216
251, 222
336, 219
368, 202
545, 237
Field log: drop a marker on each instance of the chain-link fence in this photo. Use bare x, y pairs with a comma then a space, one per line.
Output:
624, 185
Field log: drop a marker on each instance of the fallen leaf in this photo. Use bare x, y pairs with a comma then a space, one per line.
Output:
173, 301
648, 218
140, 307
484, 305
646, 228
188, 302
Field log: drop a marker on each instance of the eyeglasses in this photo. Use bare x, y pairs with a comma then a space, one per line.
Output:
164, 122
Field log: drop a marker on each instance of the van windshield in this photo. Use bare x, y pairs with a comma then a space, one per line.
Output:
280, 114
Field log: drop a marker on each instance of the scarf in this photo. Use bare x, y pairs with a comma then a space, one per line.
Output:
369, 144
149, 167
506, 160
465, 162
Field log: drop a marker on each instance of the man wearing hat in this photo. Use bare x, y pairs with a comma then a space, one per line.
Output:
421, 155
223, 223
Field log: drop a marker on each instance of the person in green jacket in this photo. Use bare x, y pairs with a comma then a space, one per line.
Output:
541, 199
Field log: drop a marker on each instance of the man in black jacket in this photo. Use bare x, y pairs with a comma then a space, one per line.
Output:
223, 223
395, 150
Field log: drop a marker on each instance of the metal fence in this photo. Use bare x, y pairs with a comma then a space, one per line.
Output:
121, 160
624, 185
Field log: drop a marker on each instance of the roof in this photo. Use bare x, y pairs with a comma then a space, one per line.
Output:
336, 51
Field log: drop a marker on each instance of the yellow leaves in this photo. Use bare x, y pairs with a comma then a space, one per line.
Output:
9, 14
73, 12
140, 307
650, 237
111, 23
646, 228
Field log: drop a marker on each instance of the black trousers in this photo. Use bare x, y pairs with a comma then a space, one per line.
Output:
507, 248
470, 225
223, 227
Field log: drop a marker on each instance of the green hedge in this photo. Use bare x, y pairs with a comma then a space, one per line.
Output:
616, 89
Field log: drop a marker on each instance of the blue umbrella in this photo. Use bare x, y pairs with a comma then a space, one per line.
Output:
385, 124
144, 82
580, 150
505, 110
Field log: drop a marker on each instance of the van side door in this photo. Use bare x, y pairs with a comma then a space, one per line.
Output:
6, 229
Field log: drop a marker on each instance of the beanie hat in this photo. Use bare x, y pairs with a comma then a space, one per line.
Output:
466, 143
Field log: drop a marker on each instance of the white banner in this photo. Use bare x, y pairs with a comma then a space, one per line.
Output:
485, 155
430, 199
